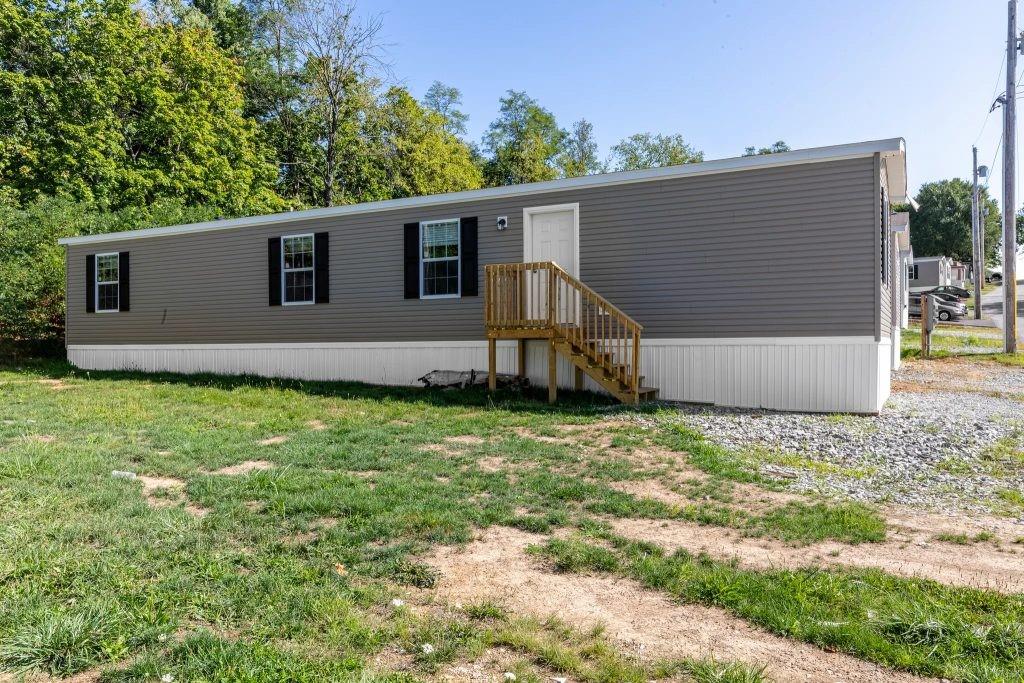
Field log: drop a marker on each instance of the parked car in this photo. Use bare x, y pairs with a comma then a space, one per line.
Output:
995, 277
945, 296
959, 292
948, 310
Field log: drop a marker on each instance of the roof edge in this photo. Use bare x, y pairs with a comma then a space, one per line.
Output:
886, 147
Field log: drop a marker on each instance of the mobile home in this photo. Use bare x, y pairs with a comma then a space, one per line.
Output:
762, 281
929, 272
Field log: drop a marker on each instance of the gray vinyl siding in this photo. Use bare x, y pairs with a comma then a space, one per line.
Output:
885, 286
927, 274
784, 251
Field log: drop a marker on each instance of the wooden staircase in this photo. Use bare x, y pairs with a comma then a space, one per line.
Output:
541, 301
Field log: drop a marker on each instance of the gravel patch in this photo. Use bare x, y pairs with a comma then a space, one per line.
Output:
929, 447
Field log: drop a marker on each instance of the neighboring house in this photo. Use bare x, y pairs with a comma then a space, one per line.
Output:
958, 274
904, 256
929, 272
762, 281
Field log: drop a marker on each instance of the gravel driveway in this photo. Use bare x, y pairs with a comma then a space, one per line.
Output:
949, 439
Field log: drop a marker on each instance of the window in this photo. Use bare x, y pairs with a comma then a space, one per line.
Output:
911, 272
107, 283
297, 269
439, 258
885, 244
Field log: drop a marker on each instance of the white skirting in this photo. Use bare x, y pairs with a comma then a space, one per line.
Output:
821, 374
897, 348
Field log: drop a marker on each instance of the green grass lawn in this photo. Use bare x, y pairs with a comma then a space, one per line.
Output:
289, 572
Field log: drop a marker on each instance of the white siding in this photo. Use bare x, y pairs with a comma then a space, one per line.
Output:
819, 374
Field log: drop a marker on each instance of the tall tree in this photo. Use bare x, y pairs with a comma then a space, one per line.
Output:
774, 148
417, 154
579, 152
340, 54
99, 104
446, 100
942, 224
523, 143
647, 150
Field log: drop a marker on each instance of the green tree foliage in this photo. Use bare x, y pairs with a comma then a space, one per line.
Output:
98, 104
446, 100
774, 148
646, 150
579, 151
523, 143
32, 263
418, 155
942, 224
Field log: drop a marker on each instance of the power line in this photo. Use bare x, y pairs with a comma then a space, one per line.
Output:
995, 90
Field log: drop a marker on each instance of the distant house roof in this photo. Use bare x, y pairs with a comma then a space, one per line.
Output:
892, 152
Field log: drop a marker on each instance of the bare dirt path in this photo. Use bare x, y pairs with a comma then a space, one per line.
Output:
908, 552
496, 567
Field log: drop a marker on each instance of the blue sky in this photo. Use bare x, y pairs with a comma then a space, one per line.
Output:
723, 73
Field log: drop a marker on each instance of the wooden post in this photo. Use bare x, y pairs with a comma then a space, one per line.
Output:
552, 318
578, 379
926, 325
492, 363
636, 365
521, 357
552, 372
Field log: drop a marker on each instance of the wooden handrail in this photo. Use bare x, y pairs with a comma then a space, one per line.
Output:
524, 297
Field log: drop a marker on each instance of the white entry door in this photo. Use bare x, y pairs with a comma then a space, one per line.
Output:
550, 234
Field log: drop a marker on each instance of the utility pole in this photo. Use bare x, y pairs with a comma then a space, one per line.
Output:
1009, 177
979, 257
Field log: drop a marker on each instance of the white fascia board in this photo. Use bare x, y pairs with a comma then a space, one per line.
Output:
893, 147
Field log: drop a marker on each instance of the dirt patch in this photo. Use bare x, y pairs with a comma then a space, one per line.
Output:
168, 492
465, 440
57, 384
316, 425
527, 433
273, 440
490, 666
496, 567
746, 497
905, 554
439, 448
42, 438
494, 463
316, 528
245, 467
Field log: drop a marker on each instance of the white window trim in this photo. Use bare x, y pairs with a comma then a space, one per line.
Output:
96, 282
312, 269
457, 258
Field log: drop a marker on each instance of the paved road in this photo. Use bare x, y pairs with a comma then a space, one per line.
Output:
992, 306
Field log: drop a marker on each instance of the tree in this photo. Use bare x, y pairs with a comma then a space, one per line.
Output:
579, 151
340, 54
101, 105
446, 100
32, 263
775, 148
646, 150
941, 226
418, 155
523, 143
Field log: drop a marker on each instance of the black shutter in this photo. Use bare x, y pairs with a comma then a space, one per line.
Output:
412, 260
123, 292
90, 283
321, 268
274, 270
468, 256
